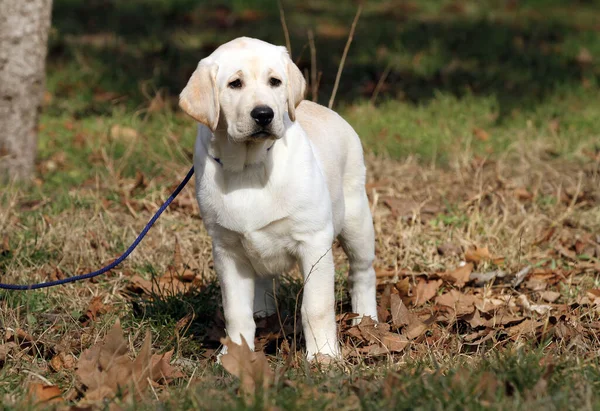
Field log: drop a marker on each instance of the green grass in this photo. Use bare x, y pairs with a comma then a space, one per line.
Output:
443, 129
513, 73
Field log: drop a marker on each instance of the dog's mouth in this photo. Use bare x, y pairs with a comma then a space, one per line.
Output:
261, 134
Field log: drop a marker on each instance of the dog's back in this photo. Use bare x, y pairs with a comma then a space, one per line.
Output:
338, 148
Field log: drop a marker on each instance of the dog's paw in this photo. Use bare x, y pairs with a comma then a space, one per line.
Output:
325, 357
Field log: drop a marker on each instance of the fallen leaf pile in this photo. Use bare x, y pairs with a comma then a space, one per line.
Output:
106, 369
251, 367
489, 255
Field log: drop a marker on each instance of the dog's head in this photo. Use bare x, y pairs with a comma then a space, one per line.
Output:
247, 86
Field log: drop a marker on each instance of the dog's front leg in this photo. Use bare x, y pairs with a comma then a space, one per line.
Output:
318, 301
236, 278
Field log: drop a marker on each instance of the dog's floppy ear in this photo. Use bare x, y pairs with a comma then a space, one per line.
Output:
296, 86
200, 97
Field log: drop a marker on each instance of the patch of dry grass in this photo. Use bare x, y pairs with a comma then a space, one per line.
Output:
528, 209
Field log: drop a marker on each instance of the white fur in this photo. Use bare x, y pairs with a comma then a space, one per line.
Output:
268, 209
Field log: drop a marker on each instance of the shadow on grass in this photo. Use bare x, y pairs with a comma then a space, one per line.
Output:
198, 315
133, 49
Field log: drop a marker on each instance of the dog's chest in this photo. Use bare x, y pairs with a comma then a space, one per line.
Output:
269, 249
257, 220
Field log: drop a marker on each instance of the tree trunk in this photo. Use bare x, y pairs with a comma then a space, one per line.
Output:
24, 26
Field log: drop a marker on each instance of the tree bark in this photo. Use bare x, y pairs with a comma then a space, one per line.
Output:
24, 26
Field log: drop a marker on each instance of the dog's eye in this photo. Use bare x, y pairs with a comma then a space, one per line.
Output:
235, 84
274, 82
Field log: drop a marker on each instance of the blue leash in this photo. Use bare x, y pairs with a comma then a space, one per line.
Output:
115, 263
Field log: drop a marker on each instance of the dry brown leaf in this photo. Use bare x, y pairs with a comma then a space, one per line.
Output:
390, 343
176, 280
401, 317
177, 259
23, 340
584, 57
385, 273
504, 317
95, 363
62, 361
374, 350
44, 394
526, 327
95, 308
477, 254
460, 276
545, 236
425, 291
550, 296
106, 369
166, 285
371, 331
140, 183
449, 249
524, 303
5, 246
162, 370
403, 287
141, 368
405, 208
5, 350
252, 368
394, 342
118, 132
378, 336
481, 134
462, 304
476, 320
400, 314
521, 193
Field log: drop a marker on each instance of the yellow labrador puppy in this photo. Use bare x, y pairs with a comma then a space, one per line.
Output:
277, 180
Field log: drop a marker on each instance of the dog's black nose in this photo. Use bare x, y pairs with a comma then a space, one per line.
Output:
263, 115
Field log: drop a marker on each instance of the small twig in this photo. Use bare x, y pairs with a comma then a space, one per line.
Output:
187, 386
381, 82
152, 388
520, 245
34, 374
313, 65
343, 60
277, 311
299, 57
286, 32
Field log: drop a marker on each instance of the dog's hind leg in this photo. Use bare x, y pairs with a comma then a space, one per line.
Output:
358, 241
